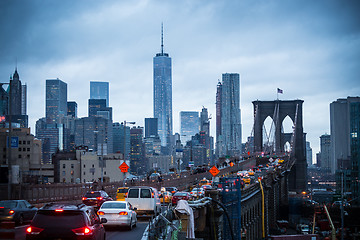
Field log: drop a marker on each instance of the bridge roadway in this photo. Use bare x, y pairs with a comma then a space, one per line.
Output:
275, 195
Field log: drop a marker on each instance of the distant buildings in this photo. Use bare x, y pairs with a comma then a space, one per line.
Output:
228, 115
13, 102
189, 125
163, 95
308, 154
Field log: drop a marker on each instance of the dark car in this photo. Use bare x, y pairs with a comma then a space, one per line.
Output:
19, 211
180, 196
173, 190
96, 198
66, 221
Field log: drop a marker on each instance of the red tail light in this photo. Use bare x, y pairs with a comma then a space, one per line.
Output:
59, 210
33, 230
152, 195
84, 231
84, 198
125, 194
99, 198
101, 213
123, 213
11, 212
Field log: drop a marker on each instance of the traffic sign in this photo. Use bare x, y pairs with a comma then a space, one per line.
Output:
231, 164
124, 167
214, 171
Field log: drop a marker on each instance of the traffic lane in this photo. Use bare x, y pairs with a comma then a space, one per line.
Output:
122, 233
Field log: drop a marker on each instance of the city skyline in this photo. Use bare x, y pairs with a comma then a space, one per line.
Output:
299, 47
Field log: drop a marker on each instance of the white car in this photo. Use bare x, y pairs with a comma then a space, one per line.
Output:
197, 193
118, 213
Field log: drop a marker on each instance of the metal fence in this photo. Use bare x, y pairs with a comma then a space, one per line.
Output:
231, 199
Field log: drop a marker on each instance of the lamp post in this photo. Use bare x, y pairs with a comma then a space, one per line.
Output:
125, 155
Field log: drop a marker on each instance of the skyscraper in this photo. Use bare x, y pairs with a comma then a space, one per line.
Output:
163, 94
325, 151
151, 127
16, 95
189, 125
229, 139
56, 101
99, 90
340, 129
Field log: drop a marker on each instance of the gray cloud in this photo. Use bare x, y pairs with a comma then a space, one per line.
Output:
310, 49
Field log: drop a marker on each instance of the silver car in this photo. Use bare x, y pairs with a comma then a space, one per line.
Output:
118, 213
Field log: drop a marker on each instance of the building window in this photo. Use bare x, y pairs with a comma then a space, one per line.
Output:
63, 173
64, 165
28, 149
93, 173
72, 180
72, 172
72, 165
28, 156
93, 165
84, 173
84, 165
19, 155
28, 142
19, 149
24, 149
105, 173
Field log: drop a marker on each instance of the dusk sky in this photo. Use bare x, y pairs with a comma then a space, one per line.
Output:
309, 49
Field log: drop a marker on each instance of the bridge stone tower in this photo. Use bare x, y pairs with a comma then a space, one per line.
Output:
278, 110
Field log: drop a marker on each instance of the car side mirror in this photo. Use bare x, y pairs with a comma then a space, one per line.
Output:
135, 208
103, 220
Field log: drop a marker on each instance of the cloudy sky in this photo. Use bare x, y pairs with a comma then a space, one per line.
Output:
310, 49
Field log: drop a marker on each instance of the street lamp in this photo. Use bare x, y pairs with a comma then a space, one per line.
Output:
125, 155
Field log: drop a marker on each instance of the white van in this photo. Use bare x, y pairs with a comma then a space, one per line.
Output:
145, 199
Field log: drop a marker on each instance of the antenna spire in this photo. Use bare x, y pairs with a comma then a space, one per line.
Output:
162, 40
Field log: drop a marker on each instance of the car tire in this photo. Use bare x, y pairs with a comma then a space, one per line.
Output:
21, 220
131, 225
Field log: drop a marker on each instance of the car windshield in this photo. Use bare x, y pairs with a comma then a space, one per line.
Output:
122, 190
181, 194
8, 204
121, 205
93, 194
64, 219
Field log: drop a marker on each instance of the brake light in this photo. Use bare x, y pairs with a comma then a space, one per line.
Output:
123, 213
125, 194
33, 230
84, 231
101, 213
99, 198
1, 207
152, 195
11, 212
84, 198
59, 210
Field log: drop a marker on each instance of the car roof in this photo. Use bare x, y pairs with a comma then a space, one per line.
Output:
64, 206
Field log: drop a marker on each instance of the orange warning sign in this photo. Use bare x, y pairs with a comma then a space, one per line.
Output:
124, 167
214, 171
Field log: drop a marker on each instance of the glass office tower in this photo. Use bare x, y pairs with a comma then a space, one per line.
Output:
56, 101
163, 95
99, 90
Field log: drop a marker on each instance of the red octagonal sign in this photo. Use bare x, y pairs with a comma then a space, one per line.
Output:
124, 167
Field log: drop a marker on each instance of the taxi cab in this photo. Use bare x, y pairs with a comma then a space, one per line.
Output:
204, 182
166, 197
121, 193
